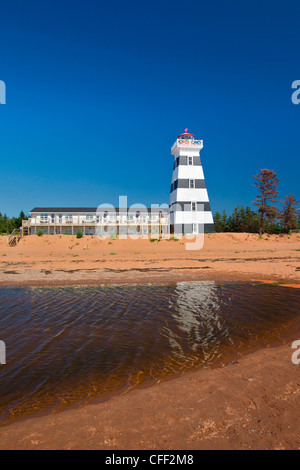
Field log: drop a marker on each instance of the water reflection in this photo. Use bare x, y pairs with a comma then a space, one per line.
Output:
72, 345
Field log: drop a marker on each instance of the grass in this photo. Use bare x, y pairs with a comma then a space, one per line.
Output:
112, 253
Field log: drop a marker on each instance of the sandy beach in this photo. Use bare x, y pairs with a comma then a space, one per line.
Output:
66, 260
249, 404
252, 404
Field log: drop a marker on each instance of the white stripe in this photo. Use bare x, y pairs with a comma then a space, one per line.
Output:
193, 217
183, 194
188, 172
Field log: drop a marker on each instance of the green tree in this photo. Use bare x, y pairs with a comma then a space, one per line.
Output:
224, 219
251, 221
219, 225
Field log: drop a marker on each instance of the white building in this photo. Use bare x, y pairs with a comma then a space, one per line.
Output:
189, 205
189, 209
102, 222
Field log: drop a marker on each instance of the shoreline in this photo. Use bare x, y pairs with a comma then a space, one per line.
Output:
99, 278
55, 260
251, 403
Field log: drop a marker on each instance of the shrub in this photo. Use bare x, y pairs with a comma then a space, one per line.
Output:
40, 233
79, 234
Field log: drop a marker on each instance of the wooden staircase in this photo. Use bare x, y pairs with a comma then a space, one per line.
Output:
15, 237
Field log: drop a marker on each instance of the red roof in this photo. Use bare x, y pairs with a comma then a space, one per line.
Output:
185, 134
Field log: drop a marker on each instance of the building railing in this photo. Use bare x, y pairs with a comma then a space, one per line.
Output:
187, 143
102, 221
26, 223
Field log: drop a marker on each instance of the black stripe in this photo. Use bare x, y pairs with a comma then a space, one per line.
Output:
188, 228
183, 160
184, 184
186, 206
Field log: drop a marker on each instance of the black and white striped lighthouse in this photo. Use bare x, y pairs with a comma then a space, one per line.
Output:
190, 211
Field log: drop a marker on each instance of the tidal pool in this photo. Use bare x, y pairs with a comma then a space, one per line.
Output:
73, 345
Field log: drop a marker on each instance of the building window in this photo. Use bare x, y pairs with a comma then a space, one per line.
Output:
194, 206
44, 218
195, 228
191, 184
190, 160
89, 218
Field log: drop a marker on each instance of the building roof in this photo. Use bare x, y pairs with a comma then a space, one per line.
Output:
88, 210
64, 209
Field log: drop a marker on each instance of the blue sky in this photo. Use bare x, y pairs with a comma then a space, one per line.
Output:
97, 93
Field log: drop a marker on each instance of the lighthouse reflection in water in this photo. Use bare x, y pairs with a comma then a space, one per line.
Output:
197, 331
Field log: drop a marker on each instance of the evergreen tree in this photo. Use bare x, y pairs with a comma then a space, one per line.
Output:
289, 214
224, 221
266, 183
220, 226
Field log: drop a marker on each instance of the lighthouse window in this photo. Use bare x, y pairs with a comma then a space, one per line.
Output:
194, 207
192, 184
190, 160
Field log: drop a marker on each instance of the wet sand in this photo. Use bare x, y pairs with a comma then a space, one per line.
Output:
251, 404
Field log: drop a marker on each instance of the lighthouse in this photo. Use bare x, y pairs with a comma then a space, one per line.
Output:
190, 211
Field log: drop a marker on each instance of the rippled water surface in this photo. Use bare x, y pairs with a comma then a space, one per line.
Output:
68, 346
